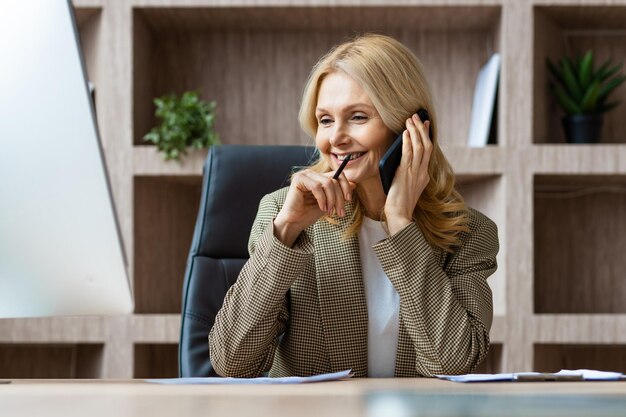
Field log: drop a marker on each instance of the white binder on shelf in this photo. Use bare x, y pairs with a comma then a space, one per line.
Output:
483, 107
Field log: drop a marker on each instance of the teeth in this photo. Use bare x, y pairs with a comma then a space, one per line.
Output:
354, 156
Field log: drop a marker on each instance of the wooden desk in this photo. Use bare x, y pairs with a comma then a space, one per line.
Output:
94, 398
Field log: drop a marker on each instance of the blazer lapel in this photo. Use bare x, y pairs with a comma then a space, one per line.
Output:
341, 295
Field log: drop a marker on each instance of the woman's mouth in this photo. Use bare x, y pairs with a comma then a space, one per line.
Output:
354, 157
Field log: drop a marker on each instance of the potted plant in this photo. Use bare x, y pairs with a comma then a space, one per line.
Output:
583, 94
187, 121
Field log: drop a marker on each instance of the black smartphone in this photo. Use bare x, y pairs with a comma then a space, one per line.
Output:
391, 159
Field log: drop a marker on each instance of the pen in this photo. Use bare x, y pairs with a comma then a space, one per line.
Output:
538, 376
341, 167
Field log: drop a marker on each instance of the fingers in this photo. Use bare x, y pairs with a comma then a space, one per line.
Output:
305, 183
346, 186
340, 187
407, 148
340, 199
420, 141
424, 129
327, 191
416, 142
427, 144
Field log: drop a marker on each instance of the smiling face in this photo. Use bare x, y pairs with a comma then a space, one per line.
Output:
348, 123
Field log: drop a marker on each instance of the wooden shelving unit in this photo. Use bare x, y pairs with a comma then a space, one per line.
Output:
558, 291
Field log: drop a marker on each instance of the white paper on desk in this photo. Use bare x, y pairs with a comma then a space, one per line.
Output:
478, 377
250, 381
591, 375
587, 374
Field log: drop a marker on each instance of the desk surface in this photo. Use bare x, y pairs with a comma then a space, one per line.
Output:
356, 397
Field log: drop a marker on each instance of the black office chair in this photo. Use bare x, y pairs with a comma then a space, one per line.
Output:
234, 181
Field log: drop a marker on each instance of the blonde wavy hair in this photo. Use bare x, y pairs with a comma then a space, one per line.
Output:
394, 80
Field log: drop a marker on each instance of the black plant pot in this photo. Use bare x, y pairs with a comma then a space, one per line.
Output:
582, 128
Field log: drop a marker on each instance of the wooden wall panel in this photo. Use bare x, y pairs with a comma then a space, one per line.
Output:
579, 244
548, 43
156, 361
50, 361
144, 50
553, 358
165, 215
88, 21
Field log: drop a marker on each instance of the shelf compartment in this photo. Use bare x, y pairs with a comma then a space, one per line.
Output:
566, 30
485, 193
57, 361
554, 357
155, 361
255, 61
493, 362
578, 244
165, 210
88, 20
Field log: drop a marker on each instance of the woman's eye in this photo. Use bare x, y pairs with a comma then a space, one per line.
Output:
325, 121
359, 117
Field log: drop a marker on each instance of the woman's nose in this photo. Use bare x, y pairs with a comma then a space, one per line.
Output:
339, 134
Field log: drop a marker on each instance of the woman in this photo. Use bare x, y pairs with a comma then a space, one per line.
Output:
342, 276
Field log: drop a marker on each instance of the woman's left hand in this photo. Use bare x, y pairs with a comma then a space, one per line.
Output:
411, 176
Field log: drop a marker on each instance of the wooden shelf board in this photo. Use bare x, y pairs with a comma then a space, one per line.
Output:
578, 159
579, 328
468, 163
54, 329
147, 161
587, 15
475, 162
155, 328
302, 17
87, 4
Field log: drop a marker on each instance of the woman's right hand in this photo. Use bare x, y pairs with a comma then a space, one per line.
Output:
310, 196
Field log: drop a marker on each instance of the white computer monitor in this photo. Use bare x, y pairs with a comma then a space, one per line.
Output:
61, 251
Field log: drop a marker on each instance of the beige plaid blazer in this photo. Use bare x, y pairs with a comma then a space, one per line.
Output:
314, 297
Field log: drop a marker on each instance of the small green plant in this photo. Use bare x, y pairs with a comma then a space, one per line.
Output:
186, 122
581, 89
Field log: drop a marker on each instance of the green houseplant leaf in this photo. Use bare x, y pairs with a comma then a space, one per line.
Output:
610, 86
608, 72
579, 89
566, 102
571, 80
186, 121
591, 98
585, 70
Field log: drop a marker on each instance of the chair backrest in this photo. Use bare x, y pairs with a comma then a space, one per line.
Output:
235, 178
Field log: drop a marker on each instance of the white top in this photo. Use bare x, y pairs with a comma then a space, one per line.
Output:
383, 304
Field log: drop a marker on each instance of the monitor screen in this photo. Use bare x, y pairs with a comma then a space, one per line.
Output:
60, 247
